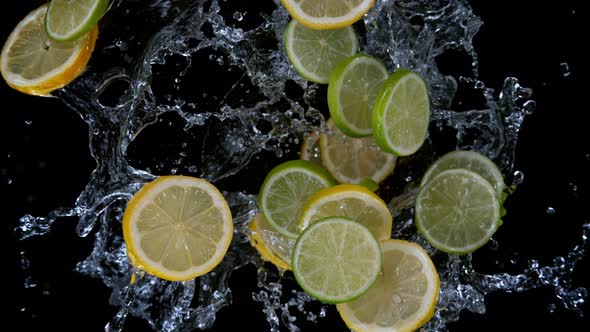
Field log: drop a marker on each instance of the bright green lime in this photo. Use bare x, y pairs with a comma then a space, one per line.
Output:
68, 20
286, 189
315, 53
352, 92
402, 113
336, 260
457, 211
471, 160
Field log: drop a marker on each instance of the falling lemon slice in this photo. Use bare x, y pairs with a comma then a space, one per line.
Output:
327, 14
34, 64
354, 160
404, 296
177, 227
272, 246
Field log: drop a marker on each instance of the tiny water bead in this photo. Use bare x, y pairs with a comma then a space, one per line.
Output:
264, 111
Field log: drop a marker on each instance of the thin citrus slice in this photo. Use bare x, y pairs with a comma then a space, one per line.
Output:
336, 260
286, 189
470, 160
353, 89
354, 160
272, 246
352, 201
402, 113
177, 227
315, 53
457, 211
404, 296
327, 14
68, 20
31, 63
310, 149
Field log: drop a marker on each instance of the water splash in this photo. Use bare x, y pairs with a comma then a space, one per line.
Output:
259, 111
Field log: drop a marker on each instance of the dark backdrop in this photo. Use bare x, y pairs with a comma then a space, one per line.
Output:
45, 163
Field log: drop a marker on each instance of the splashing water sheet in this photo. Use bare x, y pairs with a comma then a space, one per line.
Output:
204, 88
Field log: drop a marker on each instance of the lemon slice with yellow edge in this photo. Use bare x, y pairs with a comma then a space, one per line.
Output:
352, 160
352, 201
32, 63
177, 227
327, 14
404, 296
272, 246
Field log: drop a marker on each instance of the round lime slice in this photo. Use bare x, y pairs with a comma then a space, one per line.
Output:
471, 160
457, 211
68, 20
315, 53
353, 89
336, 260
402, 113
286, 189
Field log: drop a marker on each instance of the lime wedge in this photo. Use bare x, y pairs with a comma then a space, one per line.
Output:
68, 20
402, 113
457, 211
353, 89
470, 160
336, 260
315, 53
286, 189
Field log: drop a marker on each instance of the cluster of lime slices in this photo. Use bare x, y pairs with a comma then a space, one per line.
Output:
51, 46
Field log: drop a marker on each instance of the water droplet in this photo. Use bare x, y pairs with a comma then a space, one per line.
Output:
518, 178
408, 179
173, 170
47, 45
565, 69
550, 210
551, 307
9, 181
28, 122
238, 16
529, 106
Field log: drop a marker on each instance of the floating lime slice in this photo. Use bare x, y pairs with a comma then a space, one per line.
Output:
402, 113
457, 211
315, 53
336, 260
286, 189
68, 20
353, 89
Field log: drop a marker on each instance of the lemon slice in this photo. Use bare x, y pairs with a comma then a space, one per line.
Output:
353, 160
336, 260
327, 14
177, 227
32, 63
272, 246
404, 296
353, 201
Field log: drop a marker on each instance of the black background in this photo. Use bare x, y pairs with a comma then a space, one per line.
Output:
45, 163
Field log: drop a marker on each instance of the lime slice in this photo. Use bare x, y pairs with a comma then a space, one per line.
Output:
315, 53
272, 246
354, 160
336, 260
353, 89
177, 227
327, 14
68, 20
470, 160
404, 296
286, 189
352, 201
457, 211
402, 113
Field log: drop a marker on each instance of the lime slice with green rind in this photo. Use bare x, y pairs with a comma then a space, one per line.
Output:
457, 211
336, 260
68, 20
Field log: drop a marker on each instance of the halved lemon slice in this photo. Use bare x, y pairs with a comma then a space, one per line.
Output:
34, 64
177, 227
404, 296
327, 14
272, 246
